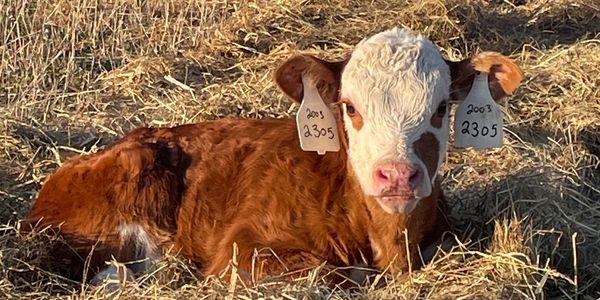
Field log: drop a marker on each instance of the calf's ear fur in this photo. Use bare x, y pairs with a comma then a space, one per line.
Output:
325, 74
504, 74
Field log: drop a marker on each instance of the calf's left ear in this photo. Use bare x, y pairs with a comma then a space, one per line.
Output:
504, 75
325, 74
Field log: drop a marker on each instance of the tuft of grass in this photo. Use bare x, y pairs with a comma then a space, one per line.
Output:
77, 75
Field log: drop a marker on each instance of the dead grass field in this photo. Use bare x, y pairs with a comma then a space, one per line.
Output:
76, 75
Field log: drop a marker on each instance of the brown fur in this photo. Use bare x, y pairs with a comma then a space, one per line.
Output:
436, 121
203, 187
504, 75
427, 148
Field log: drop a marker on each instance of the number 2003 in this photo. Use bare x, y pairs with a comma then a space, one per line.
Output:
475, 130
479, 109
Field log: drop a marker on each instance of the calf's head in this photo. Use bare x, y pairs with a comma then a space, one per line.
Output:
394, 92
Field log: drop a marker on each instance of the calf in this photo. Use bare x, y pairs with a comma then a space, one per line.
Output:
200, 188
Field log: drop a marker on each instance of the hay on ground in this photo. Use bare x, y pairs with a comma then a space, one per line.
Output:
76, 75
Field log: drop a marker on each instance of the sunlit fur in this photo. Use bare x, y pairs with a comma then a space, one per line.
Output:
396, 79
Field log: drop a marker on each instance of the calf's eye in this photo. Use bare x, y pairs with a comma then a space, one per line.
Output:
442, 109
350, 110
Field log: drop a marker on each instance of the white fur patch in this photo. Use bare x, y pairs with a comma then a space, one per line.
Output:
144, 246
396, 79
117, 273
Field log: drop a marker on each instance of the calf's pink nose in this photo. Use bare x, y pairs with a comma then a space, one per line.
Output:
400, 175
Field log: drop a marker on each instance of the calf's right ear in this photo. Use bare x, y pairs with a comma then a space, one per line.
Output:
504, 75
325, 74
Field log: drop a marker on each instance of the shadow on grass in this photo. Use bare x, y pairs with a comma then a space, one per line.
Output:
21, 175
543, 27
591, 140
12, 202
559, 211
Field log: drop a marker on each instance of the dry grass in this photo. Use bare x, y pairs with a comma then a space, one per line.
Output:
76, 75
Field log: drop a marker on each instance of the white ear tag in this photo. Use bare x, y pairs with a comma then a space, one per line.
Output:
478, 120
317, 128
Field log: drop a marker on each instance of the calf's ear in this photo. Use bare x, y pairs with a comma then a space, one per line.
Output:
504, 75
325, 74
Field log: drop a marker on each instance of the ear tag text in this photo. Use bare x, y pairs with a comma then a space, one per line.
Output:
478, 120
317, 128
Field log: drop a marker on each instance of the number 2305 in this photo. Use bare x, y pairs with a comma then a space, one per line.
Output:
475, 130
318, 132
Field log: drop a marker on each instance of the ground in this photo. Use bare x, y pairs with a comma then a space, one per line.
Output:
76, 75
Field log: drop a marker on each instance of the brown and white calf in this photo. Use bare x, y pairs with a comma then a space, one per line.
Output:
199, 188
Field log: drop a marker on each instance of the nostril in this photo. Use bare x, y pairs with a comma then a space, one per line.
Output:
414, 177
381, 174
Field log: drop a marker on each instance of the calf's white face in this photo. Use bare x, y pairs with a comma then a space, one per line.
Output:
394, 92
